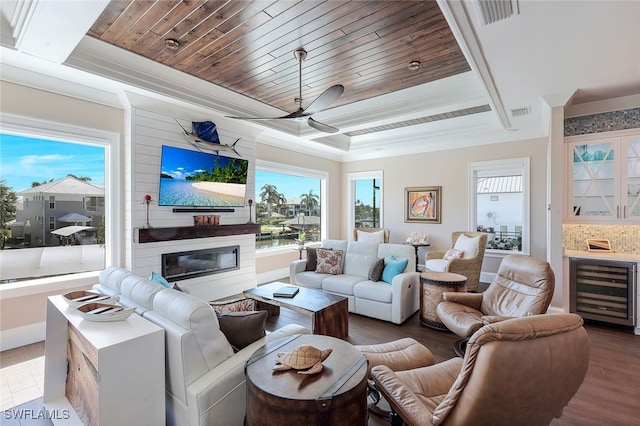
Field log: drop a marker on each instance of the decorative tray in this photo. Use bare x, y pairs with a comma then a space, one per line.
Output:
77, 298
104, 312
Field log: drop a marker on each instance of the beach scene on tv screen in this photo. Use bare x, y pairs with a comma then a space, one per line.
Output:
199, 179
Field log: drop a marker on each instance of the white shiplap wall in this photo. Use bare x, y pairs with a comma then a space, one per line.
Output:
149, 131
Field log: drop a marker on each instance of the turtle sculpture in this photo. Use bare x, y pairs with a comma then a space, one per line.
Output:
305, 358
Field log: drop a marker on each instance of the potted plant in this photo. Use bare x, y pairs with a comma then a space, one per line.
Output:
301, 238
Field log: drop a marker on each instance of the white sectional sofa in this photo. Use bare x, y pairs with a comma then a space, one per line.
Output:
394, 302
205, 381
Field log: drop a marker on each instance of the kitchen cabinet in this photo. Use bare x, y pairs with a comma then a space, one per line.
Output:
603, 172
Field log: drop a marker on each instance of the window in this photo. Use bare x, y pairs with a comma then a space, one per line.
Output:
500, 203
91, 204
290, 205
365, 199
36, 156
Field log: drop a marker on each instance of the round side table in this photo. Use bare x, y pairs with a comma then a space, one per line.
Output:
433, 285
335, 396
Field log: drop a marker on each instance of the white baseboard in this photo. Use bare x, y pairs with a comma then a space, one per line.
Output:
20, 336
281, 274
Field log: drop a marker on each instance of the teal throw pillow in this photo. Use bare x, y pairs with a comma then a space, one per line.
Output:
393, 267
155, 277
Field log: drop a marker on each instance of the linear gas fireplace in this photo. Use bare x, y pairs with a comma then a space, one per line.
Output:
196, 263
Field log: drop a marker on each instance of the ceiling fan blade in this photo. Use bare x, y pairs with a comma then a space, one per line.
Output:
325, 99
294, 114
321, 126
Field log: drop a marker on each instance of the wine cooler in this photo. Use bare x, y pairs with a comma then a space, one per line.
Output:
603, 290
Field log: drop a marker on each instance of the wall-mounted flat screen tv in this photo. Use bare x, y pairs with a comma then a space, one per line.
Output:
201, 179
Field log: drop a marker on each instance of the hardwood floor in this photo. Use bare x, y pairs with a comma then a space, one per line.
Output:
609, 395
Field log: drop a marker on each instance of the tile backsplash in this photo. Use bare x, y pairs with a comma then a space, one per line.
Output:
623, 238
602, 122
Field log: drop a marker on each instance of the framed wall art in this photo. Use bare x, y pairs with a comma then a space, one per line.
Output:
423, 204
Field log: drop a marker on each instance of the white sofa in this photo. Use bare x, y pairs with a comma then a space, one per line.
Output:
205, 381
393, 302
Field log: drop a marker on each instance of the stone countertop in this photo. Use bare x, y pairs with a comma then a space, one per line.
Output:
627, 257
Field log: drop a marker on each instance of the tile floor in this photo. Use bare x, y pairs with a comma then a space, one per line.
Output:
21, 375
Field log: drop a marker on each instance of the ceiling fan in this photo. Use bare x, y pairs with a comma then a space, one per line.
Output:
325, 99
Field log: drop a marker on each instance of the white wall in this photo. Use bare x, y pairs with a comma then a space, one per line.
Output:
449, 169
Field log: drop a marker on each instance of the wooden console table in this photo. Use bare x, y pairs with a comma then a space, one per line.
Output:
102, 373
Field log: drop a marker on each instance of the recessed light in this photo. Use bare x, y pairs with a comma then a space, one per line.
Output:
172, 44
414, 66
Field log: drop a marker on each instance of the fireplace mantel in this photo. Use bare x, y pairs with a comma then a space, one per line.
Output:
153, 235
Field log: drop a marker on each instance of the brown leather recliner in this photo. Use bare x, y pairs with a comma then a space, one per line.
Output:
521, 371
524, 286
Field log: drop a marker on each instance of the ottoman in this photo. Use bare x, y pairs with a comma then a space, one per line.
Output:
399, 355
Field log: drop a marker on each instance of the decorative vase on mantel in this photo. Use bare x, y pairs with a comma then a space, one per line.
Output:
250, 202
147, 201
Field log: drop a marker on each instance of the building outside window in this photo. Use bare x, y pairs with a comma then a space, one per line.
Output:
48, 182
500, 203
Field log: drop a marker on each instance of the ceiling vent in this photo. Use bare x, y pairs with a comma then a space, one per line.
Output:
421, 120
520, 112
491, 11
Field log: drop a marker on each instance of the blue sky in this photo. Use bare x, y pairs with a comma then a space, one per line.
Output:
180, 163
24, 160
290, 187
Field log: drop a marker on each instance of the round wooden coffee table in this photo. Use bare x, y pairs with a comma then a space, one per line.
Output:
335, 396
433, 285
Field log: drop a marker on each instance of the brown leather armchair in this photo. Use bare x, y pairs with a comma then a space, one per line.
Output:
469, 266
521, 371
524, 286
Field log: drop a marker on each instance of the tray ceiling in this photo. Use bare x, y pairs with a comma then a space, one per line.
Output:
247, 46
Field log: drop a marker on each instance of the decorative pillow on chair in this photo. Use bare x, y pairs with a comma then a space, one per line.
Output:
393, 267
242, 328
371, 237
312, 259
453, 254
375, 272
329, 261
469, 245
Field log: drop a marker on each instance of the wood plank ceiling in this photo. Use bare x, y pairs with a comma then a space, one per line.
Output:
247, 46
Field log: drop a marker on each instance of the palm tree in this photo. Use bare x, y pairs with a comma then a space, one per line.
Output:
311, 200
270, 197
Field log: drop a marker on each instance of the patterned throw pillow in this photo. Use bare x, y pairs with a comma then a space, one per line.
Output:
329, 261
453, 254
375, 272
233, 305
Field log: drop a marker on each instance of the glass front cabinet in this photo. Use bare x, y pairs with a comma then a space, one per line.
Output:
603, 178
